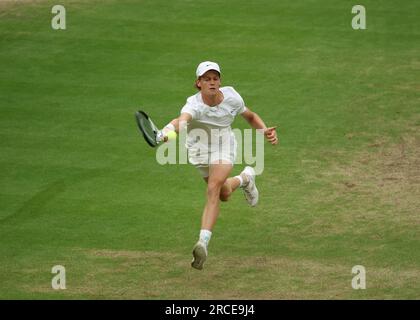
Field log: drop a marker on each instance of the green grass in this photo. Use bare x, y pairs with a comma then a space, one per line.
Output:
79, 188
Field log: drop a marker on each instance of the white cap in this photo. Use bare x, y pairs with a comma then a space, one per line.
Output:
205, 66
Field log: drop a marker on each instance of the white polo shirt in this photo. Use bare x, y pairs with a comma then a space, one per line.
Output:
217, 117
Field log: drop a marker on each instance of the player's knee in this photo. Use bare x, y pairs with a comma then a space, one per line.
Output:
224, 195
213, 189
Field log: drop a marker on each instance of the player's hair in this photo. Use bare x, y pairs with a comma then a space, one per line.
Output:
195, 84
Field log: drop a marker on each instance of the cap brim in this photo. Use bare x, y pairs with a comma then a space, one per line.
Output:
208, 70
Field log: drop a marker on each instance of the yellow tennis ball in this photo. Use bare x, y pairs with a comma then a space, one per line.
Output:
171, 135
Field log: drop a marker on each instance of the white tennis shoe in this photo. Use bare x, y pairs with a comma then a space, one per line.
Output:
250, 188
199, 254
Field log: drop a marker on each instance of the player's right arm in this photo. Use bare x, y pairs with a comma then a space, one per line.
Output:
183, 120
177, 124
188, 112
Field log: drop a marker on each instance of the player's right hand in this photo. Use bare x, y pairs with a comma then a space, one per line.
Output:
160, 137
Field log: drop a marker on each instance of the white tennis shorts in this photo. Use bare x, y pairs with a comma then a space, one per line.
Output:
224, 152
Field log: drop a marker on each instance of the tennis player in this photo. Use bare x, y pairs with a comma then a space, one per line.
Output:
215, 107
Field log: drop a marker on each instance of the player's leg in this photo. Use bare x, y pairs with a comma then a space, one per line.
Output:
218, 173
231, 184
245, 180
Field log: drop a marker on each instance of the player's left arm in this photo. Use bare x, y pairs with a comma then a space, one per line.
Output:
256, 122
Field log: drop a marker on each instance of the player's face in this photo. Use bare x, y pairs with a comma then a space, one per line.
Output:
209, 83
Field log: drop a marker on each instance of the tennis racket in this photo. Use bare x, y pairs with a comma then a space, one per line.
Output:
149, 130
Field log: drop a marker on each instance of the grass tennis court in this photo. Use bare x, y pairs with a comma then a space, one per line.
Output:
80, 188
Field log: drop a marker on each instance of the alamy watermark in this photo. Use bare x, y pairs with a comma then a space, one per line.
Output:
359, 280
58, 282
213, 146
359, 20
58, 22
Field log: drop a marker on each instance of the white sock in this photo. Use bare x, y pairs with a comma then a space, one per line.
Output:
241, 181
205, 236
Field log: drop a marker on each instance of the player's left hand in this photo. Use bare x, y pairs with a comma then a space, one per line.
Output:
271, 135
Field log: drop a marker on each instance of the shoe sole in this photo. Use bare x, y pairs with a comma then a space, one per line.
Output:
253, 204
258, 196
255, 186
199, 255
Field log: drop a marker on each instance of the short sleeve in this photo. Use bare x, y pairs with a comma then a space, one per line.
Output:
239, 102
242, 110
189, 108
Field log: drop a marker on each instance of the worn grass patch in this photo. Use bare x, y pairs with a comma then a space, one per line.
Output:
122, 274
381, 181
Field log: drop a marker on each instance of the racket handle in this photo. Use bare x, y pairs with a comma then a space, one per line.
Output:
160, 136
